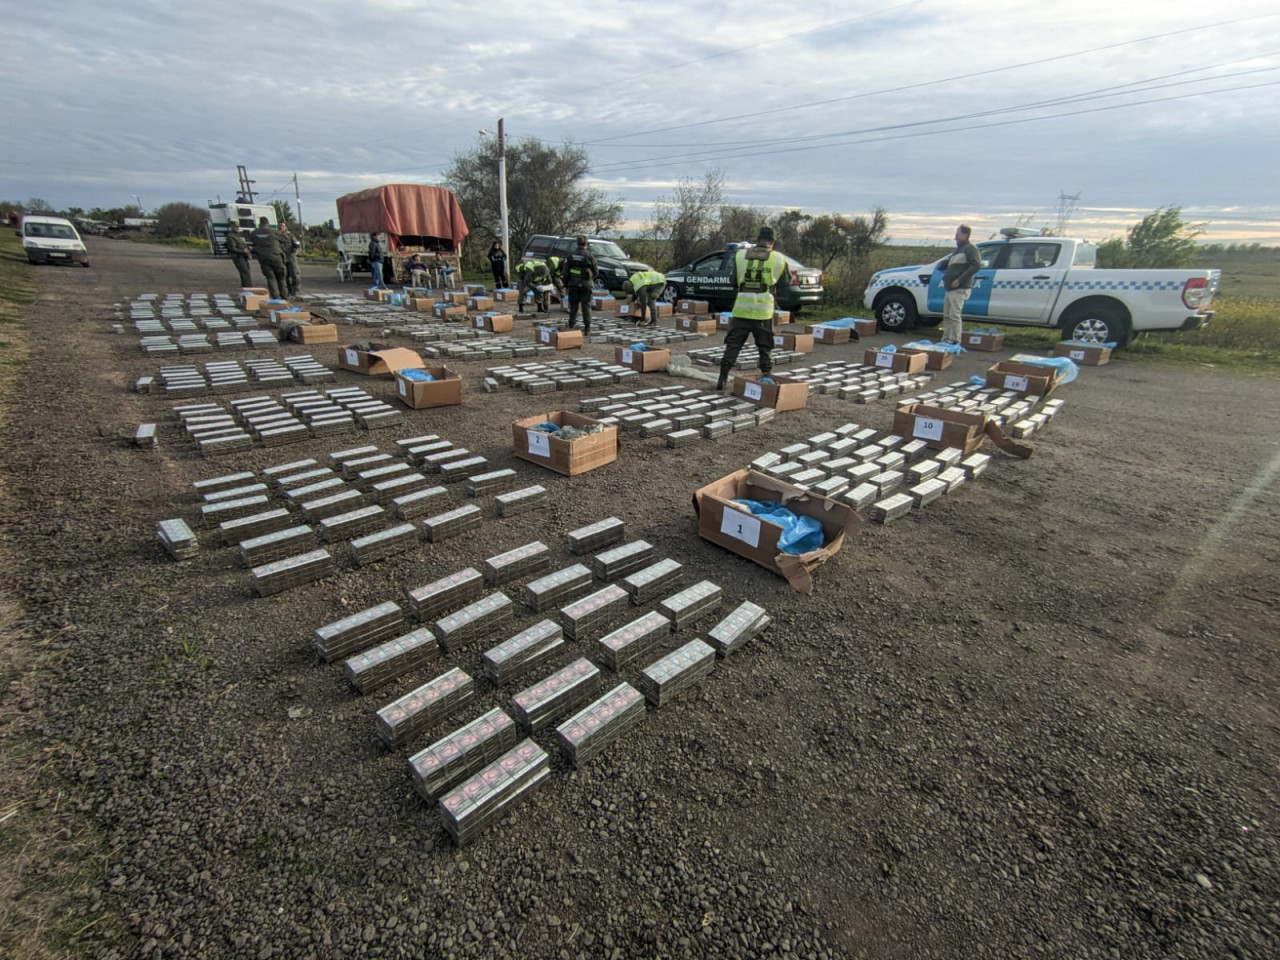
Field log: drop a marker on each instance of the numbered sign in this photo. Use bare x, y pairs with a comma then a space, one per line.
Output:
628, 356
975, 339
546, 336
1015, 383
353, 360
927, 429
404, 388
778, 340
480, 323
741, 526
539, 443
1076, 354
884, 359
753, 391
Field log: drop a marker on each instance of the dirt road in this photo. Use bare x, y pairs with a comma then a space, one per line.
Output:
1036, 718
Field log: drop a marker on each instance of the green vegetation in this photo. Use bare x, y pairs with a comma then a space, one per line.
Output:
186, 243
1160, 240
17, 287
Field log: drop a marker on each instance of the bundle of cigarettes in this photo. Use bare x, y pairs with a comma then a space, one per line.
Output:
654, 580
557, 588
473, 621
622, 560
520, 501
458, 755
280, 575
588, 617
596, 536
529, 648
591, 730
451, 523
485, 797
637, 640
277, 545
692, 603
177, 539
389, 661
445, 594
891, 508
417, 712
538, 706
662, 681
525, 561
358, 631
384, 543
746, 623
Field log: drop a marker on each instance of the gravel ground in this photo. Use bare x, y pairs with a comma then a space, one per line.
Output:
1034, 719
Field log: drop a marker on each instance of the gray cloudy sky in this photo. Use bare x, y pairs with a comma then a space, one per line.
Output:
934, 110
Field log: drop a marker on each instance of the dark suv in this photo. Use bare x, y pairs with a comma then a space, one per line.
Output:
614, 265
712, 278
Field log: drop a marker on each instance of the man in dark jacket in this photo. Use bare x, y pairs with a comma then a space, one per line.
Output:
289, 247
238, 250
376, 253
579, 274
267, 247
958, 282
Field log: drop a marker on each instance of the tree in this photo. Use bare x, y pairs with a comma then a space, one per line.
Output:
686, 219
38, 205
1161, 240
544, 191
284, 215
181, 220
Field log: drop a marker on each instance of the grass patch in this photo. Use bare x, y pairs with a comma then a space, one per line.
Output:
183, 243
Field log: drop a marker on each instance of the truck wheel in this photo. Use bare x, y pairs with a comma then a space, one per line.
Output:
896, 313
1097, 324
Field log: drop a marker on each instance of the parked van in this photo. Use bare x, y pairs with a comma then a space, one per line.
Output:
52, 240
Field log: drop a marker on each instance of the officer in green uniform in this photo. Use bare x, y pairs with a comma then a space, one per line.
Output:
534, 275
269, 250
579, 274
238, 250
757, 270
289, 247
645, 287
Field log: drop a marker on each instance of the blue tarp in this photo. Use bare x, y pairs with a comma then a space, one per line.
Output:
415, 374
800, 534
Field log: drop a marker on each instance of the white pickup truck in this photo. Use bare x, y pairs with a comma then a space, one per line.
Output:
1049, 282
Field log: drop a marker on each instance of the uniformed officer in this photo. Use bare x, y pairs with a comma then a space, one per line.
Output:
269, 250
289, 247
645, 287
579, 274
534, 274
554, 262
238, 249
757, 272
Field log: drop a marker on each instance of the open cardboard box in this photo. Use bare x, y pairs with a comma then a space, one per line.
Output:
646, 361
569, 457
933, 359
940, 428
899, 361
384, 361
1087, 354
784, 393
1028, 379
444, 391
729, 526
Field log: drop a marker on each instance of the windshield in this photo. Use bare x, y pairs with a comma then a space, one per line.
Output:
607, 248
56, 231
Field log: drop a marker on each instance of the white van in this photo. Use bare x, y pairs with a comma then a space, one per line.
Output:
52, 240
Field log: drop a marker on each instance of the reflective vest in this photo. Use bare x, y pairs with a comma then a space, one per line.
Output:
554, 264
755, 282
646, 278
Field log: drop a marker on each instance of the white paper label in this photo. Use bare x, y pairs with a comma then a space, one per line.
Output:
820, 332
480, 322
1015, 383
753, 391
1076, 354
778, 340
539, 443
546, 336
975, 339
404, 388
352, 359
927, 429
741, 526
884, 359
628, 356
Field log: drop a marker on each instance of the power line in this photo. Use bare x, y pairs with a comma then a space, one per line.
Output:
925, 83
976, 126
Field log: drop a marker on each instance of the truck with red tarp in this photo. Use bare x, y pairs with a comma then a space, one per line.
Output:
412, 219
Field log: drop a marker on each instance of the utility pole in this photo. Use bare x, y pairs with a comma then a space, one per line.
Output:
502, 192
246, 185
302, 233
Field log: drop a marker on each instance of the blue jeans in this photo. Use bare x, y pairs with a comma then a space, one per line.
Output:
377, 273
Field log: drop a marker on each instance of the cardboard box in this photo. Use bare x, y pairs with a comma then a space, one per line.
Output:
506, 295
666, 310
444, 391
696, 324
1024, 378
723, 320
646, 361
603, 302
628, 310
781, 316
940, 428
723, 523
784, 394
480, 303
864, 328
560, 339
984, 342
314, 333
384, 361
446, 310
1087, 354
289, 315
253, 292
456, 298
495, 322
252, 301
570, 457
421, 304
899, 361
799, 342
933, 359
267, 307
831, 335
697, 307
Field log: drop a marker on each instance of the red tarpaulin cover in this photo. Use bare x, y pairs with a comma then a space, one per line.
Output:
404, 209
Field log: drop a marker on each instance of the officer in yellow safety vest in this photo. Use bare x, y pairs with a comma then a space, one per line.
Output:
534, 276
757, 270
645, 286
553, 262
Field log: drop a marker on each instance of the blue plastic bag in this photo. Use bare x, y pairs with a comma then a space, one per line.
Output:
938, 347
420, 376
546, 426
1110, 344
890, 348
800, 534
844, 323
766, 380
1066, 367
638, 347
987, 332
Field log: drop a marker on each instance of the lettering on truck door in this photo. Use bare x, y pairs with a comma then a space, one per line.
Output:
1026, 285
713, 278
980, 296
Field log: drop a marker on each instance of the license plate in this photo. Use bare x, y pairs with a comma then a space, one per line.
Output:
809, 280
57, 254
